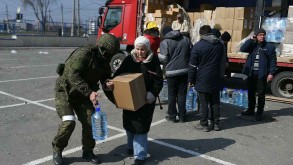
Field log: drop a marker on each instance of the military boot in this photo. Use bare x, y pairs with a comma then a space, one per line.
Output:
90, 156
57, 158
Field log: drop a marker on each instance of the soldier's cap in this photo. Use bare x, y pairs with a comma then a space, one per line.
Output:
109, 43
151, 25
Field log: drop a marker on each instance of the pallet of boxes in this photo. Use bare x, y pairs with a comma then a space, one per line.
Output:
238, 21
161, 12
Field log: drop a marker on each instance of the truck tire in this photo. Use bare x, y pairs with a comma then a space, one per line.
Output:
282, 85
116, 61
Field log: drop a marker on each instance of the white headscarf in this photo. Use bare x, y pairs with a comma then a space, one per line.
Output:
143, 40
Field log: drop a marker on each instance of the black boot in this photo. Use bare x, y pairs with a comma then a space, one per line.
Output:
90, 156
57, 158
248, 112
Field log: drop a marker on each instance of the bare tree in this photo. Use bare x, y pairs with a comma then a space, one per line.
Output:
40, 8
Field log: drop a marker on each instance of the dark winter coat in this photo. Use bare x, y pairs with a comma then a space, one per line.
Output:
175, 53
205, 64
139, 121
267, 58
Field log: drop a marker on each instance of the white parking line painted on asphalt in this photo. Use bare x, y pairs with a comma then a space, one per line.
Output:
190, 152
31, 66
67, 152
15, 105
34, 78
28, 101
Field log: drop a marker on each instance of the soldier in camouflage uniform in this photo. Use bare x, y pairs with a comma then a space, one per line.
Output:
75, 93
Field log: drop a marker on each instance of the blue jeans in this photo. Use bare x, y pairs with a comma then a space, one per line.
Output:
139, 144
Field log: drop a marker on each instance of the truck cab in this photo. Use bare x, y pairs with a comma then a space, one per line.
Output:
122, 19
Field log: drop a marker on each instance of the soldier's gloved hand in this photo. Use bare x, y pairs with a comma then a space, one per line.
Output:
150, 97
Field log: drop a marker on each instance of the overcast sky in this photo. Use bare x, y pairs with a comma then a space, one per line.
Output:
88, 9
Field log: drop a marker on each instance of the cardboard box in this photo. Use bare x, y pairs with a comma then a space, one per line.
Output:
244, 13
288, 38
226, 24
239, 35
207, 14
234, 47
229, 13
129, 91
243, 24
197, 15
220, 13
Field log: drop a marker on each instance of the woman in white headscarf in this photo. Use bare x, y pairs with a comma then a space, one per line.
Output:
137, 123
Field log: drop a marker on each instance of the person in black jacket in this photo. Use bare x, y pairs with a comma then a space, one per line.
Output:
137, 123
260, 67
204, 72
175, 54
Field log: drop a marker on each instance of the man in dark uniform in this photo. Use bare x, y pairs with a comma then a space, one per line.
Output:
76, 92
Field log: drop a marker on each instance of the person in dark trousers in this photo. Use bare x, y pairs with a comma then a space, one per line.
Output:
137, 123
175, 55
260, 67
204, 74
76, 91
225, 38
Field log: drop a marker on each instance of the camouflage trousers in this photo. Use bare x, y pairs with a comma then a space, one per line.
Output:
66, 109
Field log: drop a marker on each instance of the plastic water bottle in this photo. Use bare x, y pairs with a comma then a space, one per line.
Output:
235, 97
194, 99
225, 95
241, 98
246, 99
189, 100
99, 124
164, 92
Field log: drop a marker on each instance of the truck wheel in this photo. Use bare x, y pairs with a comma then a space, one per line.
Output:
116, 61
282, 85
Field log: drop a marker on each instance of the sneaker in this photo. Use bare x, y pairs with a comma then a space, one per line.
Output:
173, 120
91, 157
57, 158
247, 113
202, 127
138, 162
258, 117
217, 127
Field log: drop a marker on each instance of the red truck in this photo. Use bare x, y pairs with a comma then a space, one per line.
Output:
125, 19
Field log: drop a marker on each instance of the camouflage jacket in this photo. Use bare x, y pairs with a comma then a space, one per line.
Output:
82, 72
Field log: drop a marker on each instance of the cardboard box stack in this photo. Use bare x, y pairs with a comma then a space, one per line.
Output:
237, 21
160, 12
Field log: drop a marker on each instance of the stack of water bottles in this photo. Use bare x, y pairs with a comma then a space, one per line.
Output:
99, 124
239, 97
191, 98
164, 92
275, 28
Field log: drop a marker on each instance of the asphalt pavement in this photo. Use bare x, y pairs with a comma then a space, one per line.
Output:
28, 123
